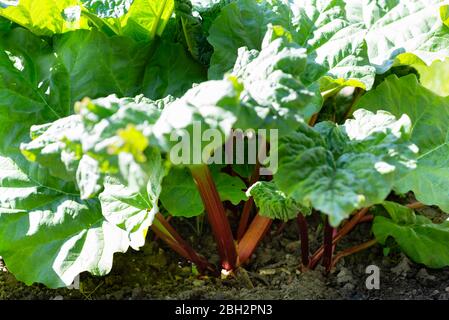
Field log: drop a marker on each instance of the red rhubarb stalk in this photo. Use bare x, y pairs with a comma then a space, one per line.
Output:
168, 234
304, 236
328, 245
256, 231
216, 215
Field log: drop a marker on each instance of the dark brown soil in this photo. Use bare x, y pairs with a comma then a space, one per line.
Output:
156, 272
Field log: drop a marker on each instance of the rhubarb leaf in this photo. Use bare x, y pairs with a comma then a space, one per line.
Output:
210, 105
337, 169
171, 71
422, 240
119, 71
273, 203
58, 234
242, 23
108, 9
104, 138
429, 113
132, 211
45, 17
434, 77
274, 95
180, 194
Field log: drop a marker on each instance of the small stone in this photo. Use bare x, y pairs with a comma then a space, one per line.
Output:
58, 298
402, 268
344, 276
424, 277
447, 289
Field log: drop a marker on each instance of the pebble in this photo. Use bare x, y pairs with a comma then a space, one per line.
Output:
344, 276
402, 267
424, 277
58, 298
447, 289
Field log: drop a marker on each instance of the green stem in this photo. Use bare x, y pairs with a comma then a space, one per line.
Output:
216, 215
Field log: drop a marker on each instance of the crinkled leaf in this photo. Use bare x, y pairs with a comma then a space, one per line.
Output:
429, 113
273, 203
106, 138
422, 240
210, 105
108, 8
337, 169
191, 32
347, 39
274, 95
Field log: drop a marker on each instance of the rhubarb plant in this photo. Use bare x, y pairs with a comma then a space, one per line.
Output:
118, 115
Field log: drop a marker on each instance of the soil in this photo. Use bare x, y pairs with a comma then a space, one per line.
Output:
155, 272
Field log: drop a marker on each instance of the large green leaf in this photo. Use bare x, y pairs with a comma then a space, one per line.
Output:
274, 95
242, 23
429, 113
273, 203
146, 19
210, 105
422, 240
47, 233
113, 64
171, 71
347, 41
337, 169
141, 20
348, 38
434, 77
34, 86
104, 139
45, 17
